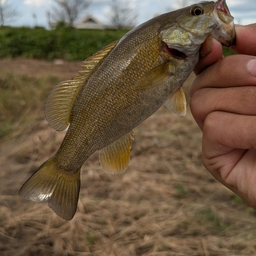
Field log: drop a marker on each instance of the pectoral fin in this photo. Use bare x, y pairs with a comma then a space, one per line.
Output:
60, 100
115, 157
156, 77
177, 103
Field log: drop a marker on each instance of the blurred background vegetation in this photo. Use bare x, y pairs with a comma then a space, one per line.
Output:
60, 43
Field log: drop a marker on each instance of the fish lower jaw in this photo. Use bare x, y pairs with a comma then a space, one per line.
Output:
224, 36
225, 30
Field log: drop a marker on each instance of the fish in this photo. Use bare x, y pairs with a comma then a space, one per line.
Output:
117, 89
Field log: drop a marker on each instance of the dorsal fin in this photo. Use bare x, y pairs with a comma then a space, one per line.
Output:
92, 62
61, 98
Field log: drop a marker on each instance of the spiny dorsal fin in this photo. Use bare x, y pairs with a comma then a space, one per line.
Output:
115, 157
177, 103
61, 98
93, 61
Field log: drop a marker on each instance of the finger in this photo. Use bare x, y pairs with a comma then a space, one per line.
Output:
232, 71
240, 100
229, 152
225, 145
227, 131
211, 52
206, 47
245, 39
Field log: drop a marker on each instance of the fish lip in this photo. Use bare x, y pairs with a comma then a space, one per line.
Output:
221, 6
225, 31
234, 41
231, 41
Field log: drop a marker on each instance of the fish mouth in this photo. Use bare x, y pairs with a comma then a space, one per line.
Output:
226, 40
225, 31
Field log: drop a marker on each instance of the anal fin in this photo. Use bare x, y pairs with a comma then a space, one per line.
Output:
115, 157
177, 103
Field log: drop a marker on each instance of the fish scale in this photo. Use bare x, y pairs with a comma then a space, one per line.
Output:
118, 88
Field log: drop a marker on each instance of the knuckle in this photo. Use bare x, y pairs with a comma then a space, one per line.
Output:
211, 124
196, 103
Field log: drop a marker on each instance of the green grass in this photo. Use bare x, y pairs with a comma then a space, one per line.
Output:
181, 192
227, 51
208, 217
65, 43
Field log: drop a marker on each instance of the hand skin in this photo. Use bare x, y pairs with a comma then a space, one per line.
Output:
223, 103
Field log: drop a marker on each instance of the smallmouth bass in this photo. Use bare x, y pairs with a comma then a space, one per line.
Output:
118, 88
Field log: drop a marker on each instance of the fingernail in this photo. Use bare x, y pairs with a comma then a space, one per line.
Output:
251, 66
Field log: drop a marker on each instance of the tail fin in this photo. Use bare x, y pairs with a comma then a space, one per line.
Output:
55, 186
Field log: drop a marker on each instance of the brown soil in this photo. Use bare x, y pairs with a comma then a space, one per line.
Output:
165, 204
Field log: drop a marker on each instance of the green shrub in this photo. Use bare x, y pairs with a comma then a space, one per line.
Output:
63, 42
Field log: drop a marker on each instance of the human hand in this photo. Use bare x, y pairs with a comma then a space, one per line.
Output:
223, 103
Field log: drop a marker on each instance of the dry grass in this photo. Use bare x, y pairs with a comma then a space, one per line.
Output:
165, 204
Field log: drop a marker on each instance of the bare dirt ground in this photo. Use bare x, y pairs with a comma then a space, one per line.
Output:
165, 204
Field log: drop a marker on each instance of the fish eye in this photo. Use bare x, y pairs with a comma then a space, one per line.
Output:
196, 11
